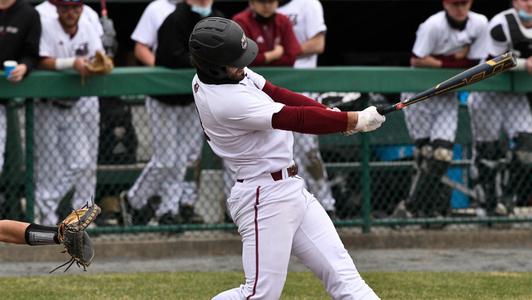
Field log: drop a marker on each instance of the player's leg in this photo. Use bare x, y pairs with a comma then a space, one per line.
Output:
49, 162
312, 168
267, 218
418, 119
318, 246
148, 184
519, 128
443, 134
3, 134
83, 149
486, 119
190, 134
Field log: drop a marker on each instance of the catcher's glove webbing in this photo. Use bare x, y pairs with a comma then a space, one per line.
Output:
100, 64
72, 235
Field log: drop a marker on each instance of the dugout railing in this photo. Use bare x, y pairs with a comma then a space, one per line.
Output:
18, 174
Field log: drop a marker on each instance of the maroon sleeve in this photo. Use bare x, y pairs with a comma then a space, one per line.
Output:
309, 119
291, 46
287, 97
449, 61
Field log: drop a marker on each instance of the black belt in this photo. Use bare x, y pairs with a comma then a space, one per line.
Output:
278, 175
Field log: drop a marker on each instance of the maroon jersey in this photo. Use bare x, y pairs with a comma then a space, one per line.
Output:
267, 35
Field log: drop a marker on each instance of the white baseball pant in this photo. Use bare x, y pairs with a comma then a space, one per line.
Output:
278, 218
66, 153
177, 138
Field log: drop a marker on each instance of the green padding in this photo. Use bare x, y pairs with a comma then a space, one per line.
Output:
157, 81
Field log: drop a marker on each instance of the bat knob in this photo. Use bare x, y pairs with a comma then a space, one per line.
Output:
383, 110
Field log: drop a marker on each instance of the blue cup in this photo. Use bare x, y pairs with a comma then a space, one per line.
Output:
9, 66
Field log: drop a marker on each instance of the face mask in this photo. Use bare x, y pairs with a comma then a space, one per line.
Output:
202, 11
524, 16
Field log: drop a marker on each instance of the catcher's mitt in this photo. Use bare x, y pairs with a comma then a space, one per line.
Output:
72, 235
100, 64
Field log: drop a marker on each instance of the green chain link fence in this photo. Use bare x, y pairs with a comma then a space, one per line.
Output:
60, 152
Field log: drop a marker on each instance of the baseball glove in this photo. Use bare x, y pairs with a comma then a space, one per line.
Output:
100, 64
72, 235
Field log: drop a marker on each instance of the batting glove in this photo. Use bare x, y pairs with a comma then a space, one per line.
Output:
369, 119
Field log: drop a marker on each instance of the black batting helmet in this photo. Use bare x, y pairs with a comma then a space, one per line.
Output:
221, 42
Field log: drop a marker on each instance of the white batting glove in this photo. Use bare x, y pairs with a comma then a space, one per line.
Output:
369, 119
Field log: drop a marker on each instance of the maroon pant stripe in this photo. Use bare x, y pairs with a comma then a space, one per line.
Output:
256, 244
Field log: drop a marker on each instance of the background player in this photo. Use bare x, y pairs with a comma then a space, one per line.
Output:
309, 27
271, 31
492, 112
66, 130
275, 214
20, 44
447, 39
159, 177
48, 10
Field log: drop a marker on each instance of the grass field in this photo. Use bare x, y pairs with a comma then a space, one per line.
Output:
196, 285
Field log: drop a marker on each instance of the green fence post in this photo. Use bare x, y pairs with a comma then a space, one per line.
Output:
29, 185
366, 184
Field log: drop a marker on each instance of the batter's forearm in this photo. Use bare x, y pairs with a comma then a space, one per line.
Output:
312, 120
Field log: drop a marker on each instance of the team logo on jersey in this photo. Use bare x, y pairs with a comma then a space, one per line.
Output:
82, 49
244, 42
196, 87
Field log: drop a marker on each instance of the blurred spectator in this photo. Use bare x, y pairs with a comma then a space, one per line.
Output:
66, 130
447, 39
167, 117
20, 30
271, 31
309, 28
491, 112
48, 10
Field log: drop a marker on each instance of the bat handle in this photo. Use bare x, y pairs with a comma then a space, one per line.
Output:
383, 110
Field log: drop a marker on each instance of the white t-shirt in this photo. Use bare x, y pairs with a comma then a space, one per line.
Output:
55, 42
436, 37
48, 10
495, 48
307, 20
152, 18
237, 119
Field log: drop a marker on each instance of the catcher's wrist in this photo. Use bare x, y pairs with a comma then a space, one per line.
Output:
64, 63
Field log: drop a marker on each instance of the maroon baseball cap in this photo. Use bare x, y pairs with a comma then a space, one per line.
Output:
457, 1
67, 2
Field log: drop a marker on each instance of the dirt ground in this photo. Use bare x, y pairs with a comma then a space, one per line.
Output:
454, 260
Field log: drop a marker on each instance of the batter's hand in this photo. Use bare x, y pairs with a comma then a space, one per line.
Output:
369, 119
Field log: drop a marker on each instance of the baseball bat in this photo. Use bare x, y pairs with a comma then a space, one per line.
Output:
472, 75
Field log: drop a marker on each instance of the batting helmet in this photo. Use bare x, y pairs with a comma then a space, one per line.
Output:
221, 42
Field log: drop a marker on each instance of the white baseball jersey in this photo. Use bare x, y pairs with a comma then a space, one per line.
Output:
55, 42
436, 37
238, 124
152, 18
497, 47
49, 11
307, 19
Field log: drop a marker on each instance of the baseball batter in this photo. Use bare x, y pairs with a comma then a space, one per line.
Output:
66, 131
492, 112
447, 39
249, 122
309, 27
167, 123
